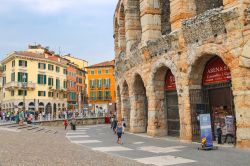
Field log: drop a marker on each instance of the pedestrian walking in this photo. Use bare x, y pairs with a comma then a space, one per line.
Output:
65, 123
112, 121
119, 131
123, 125
114, 126
21, 117
73, 124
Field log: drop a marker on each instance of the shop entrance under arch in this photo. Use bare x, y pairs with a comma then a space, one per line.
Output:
172, 109
214, 98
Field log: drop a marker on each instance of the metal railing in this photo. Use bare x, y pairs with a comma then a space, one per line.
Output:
19, 85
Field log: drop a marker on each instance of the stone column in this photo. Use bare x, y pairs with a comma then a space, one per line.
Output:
121, 29
150, 20
180, 10
125, 109
241, 92
132, 23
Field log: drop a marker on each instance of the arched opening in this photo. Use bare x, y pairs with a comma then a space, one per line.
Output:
204, 5
214, 98
121, 29
165, 16
41, 107
140, 105
20, 106
48, 109
126, 107
54, 110
167, 101
31, 107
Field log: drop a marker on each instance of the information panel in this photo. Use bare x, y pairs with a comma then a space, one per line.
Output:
206, 130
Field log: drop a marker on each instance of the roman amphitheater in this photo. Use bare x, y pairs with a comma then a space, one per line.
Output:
176, 59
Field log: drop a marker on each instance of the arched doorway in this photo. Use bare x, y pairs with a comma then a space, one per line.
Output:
48, 109
214, 98
125, 105
171, 99
31, 107
140, 121
41, 107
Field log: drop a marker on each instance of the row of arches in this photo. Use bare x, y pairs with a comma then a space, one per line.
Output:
129, 22
158, 107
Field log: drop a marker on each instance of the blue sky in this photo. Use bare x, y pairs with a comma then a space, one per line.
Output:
83, 28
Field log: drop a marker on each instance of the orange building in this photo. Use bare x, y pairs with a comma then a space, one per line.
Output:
101, 87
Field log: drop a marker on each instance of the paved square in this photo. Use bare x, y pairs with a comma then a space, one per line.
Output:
155, 149
77, 136
86, 141
112, 149
164, 160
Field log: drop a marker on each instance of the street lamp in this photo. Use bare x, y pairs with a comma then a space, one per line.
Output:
24, 79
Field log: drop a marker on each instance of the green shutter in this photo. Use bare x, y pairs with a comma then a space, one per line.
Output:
38, 65
38, 79
45, 79
25, 63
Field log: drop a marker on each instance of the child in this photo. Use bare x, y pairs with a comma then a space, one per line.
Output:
119, 131
65, 123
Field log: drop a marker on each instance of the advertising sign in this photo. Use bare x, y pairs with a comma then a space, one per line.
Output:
216, 71
170, 81
206, 130
229, 123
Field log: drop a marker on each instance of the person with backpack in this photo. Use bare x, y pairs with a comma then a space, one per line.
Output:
119, 131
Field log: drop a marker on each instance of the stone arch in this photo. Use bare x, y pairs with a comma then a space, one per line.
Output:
165, 16
121, 28
125, 104
204, 5
31, 106
203, 96
139, 106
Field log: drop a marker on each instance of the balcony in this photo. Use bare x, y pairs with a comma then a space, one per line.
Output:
20, 85
100, 98
62, 89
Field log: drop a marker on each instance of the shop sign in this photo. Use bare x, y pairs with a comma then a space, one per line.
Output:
206, 130
216, 71
170, 81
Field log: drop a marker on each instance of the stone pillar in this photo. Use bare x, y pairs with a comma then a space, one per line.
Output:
180, 10
241, 92
121, 29
157, 122
150, 20
132, 23
125, 109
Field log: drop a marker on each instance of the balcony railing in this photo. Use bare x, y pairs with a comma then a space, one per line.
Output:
100, 98
20, 85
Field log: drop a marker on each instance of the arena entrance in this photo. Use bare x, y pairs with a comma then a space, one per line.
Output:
171, 99
215, 97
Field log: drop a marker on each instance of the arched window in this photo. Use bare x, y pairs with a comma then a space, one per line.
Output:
204, 5
165, 16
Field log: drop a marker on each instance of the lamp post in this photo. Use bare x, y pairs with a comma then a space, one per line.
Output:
24, 79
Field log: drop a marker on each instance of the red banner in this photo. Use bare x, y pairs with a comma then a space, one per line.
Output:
170, 81
216, 71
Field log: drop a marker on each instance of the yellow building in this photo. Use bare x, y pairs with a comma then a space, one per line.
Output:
82, 64
101, 87
34, 80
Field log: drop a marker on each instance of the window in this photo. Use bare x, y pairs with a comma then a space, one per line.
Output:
65, 96
57, 69
99, 71
41, 93
106, 71
41, 79
65, 84
65, 71
4, 68
107, 82
41, 66
22, 63
72, 95
50, 67
21, 77
99, 83
22, 92
92, 72
13, 63
51, 94
100, 95
12, 77
12, 93
107, 95
57, 84
51, 82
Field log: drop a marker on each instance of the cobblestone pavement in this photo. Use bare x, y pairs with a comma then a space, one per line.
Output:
159, 152
29, 148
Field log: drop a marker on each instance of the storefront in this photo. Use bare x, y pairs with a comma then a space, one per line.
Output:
215, 98
171, 97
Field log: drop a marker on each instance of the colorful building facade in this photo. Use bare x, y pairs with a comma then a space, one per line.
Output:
34, 80
101, 87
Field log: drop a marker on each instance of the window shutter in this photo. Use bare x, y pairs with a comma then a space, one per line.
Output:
45, 79
25, 63
38, 65
26, 77
20, 63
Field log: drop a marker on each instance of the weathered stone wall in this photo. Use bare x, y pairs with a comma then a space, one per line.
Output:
204, 5
185, 51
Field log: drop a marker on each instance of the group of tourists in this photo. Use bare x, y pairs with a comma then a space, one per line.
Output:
18, 117
118, 128
72, 123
